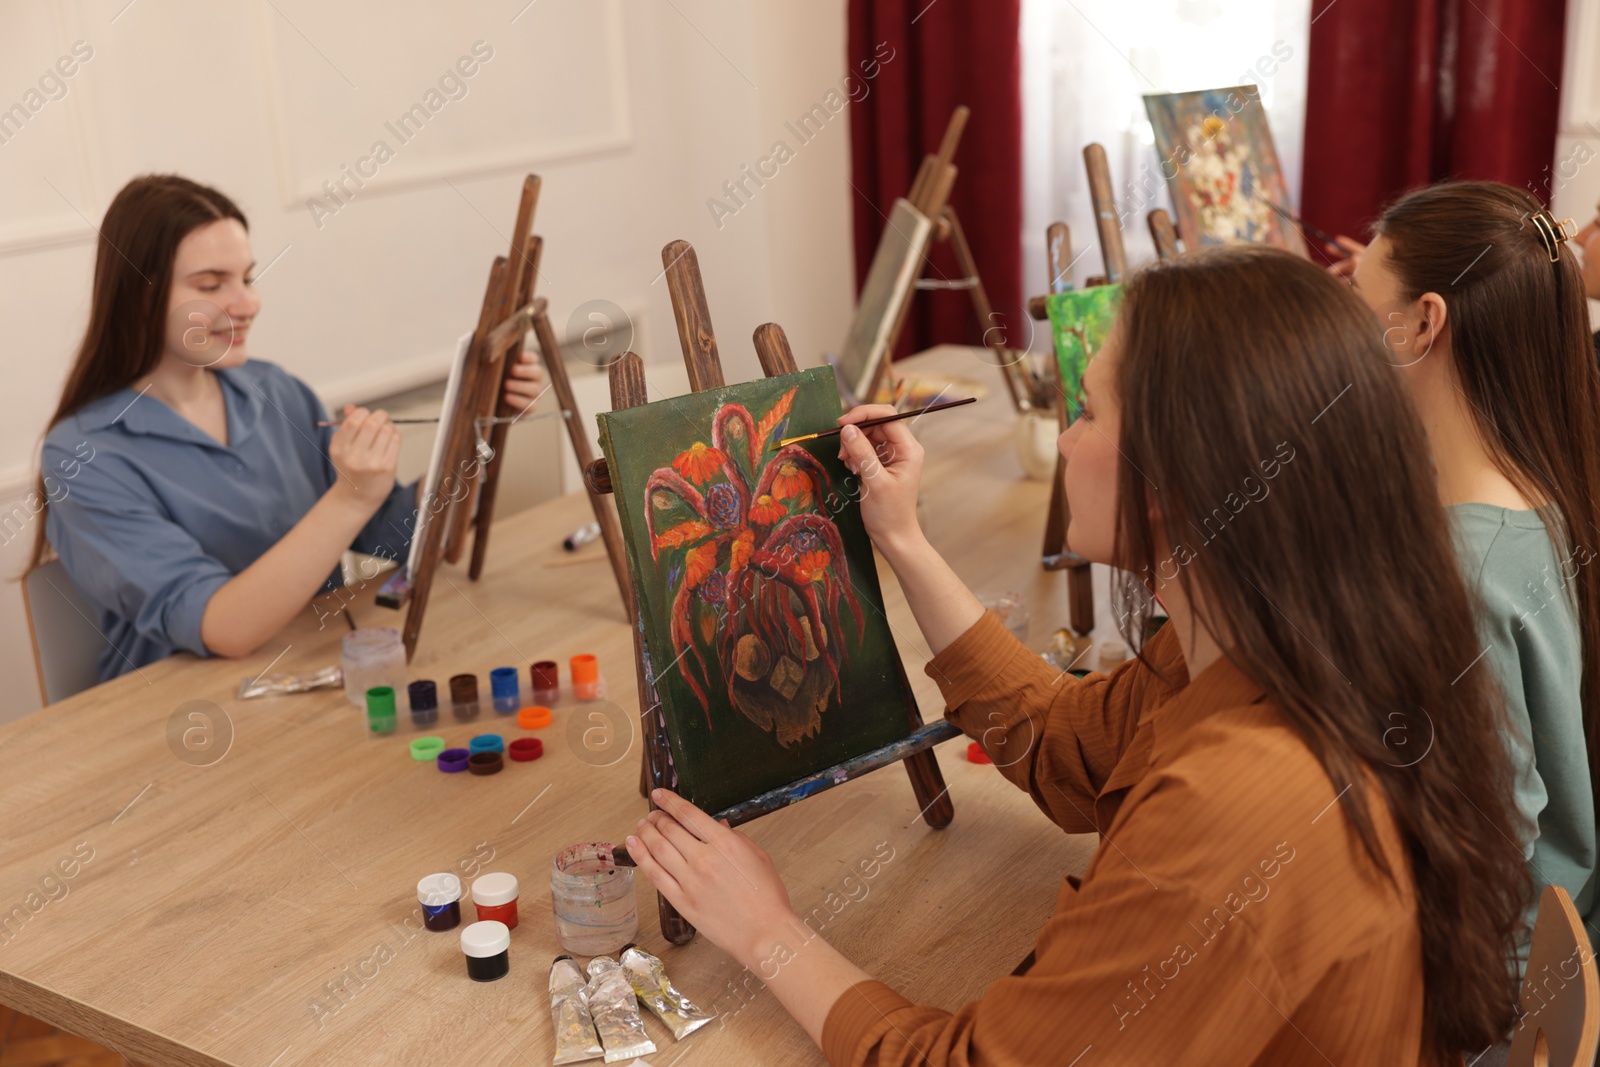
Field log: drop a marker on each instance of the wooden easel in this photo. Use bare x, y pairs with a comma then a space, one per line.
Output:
1080, 586
1163, 233
1058, 254
700, 356
507, 313
930, 195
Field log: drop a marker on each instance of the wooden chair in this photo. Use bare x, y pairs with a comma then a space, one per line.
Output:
1560, 1000
61, 627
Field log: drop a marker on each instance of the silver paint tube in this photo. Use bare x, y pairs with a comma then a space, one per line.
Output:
650, 982
569, 1014
616, 1012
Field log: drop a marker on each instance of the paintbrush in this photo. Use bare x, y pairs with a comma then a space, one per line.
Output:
1305, 227
397, 422
874, 422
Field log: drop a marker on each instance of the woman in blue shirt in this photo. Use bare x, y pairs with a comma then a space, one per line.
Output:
196, 502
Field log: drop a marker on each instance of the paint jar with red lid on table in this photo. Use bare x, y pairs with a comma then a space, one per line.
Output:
495, 897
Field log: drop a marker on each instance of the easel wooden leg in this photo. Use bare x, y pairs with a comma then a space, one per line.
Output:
1080, 597
993, 335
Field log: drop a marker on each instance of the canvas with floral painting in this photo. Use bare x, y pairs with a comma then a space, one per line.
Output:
1221, 167
759, 597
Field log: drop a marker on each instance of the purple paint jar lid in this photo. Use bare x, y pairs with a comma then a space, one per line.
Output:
452, 760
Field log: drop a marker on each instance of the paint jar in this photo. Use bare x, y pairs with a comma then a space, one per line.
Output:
487, 946
546, 678
592, 899
1113, 654
585, 677
495, 897
372, 656
440, 897
424, 702
380, 709
507, 694
464, 696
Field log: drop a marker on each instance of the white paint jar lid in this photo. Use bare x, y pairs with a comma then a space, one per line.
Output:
489, 938
496, 888
437, 890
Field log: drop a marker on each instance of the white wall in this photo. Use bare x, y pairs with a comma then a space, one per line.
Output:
634, 113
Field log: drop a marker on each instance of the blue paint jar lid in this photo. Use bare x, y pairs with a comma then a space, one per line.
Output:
503, 682
487, 743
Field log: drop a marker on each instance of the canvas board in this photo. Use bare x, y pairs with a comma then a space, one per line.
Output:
1221, 167
895, 267
758, 594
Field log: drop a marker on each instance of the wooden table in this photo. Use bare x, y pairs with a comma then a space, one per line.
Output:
252, 910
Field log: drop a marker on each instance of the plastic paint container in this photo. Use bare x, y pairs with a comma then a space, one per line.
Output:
464, 696
533, 717
424, 702
507, 693
495, 897
440, 897
488, 762
524, 749
592, 899
487, 743
487, 946
426, 748
380, 709
454, 760
546, 679
585, 677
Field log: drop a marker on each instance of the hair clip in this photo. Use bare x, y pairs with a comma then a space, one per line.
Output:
1553, 233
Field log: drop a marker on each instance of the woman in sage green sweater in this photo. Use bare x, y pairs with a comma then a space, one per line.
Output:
1482, 303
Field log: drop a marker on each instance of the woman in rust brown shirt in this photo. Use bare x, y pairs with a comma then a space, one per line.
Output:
1306, 808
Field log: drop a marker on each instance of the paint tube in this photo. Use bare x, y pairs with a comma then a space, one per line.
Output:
569, 1014
650, 982
269, 684
616, 1011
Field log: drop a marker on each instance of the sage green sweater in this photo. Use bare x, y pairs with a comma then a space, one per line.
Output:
1529, 625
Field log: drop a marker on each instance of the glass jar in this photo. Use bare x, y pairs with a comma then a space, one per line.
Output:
372, 656
592, 899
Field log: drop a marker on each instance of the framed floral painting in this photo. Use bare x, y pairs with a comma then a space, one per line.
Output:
758, 594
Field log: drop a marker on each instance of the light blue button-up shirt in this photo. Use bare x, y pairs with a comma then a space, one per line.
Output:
158, 515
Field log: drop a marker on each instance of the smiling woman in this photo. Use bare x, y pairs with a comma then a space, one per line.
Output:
216, 506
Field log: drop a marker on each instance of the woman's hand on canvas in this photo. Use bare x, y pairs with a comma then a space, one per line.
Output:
887, 461
720, 880
525, 384
365, 450
1350, 249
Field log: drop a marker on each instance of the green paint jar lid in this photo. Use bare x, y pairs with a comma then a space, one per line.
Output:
426, 748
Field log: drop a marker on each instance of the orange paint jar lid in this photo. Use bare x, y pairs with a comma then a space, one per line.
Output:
533, 717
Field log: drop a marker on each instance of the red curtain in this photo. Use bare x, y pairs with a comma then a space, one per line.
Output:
1401, 94
930, 57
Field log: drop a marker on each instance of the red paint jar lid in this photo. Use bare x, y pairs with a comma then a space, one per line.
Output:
976, 754
524, 749
485, 763
494, 889
484, 939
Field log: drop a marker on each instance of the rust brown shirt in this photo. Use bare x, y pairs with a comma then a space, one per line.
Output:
1229, 915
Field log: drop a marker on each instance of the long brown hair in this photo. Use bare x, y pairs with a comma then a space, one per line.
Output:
1524, 358
1338, 594
138, 242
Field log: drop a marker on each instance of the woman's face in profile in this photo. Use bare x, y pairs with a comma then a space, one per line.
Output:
213, 299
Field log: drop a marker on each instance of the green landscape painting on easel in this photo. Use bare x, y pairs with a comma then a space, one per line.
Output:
1222, 169
1079, 322
757, 588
